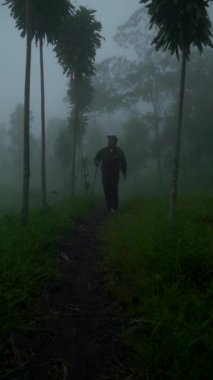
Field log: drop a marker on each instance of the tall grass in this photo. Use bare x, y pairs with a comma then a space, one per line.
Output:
11, 197
163, 276
28, 259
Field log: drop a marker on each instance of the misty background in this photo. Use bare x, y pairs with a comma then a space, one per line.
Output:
12, 60
135, 97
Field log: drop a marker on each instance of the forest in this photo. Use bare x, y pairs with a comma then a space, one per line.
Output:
92, 287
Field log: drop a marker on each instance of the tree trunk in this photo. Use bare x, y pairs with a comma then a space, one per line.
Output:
43, 139
158, 145
176, 160
75, 137
80, 152
26, 153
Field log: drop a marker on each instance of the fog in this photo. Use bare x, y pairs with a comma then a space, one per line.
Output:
12, 61
135, 97
83, 215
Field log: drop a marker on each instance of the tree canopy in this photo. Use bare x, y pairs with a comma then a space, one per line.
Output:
47, 16
181, 24
78, 41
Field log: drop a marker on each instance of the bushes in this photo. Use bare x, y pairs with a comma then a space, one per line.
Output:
28, 259
163, 276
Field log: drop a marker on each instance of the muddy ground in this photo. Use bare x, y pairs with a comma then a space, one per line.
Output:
75, 331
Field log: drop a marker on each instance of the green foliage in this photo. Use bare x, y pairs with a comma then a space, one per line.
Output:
180, 23
77, 43
28, 258
163, 276
86, 92
47, 16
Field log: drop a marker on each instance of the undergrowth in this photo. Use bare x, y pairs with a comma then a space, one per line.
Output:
28, 260
162, 274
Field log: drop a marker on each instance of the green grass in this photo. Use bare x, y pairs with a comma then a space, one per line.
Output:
28, 259
11, 197
162, 275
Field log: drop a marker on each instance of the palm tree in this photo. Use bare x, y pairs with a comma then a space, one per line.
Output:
46, 18
15, 7
47, 22
76, 50
180, 24
86, 93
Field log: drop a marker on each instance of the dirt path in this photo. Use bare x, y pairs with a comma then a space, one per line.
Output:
75, 333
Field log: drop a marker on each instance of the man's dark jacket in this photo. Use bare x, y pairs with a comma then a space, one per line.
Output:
112, 160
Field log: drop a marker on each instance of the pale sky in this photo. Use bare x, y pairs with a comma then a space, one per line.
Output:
111, 13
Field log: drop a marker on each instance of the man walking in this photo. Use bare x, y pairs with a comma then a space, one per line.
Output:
112, 161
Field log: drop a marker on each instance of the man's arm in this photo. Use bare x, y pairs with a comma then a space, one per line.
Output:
123, 163
99, 157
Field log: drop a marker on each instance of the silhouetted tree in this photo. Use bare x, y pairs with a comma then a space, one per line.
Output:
47, 22
86, 92
63, 152
15, 7
47, 17
15, 146
54, 127
180, 24
4, 162
76, 50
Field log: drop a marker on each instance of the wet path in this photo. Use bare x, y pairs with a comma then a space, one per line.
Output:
75, 333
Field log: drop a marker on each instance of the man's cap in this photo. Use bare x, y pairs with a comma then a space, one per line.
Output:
113, 137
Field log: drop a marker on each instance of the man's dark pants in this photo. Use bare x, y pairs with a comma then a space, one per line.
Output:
110, 184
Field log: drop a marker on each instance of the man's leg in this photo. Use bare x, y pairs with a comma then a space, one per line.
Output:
106, 187
114, 192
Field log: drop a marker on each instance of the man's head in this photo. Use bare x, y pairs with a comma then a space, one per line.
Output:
112, 140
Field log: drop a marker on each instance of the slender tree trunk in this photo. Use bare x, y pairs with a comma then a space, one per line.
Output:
64, 178
81, 158
75, 137
43, 138
26, 153
176, 160
158, 144
80, 153
159, 163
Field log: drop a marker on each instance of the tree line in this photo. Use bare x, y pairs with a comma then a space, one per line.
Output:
143, 85
75, 36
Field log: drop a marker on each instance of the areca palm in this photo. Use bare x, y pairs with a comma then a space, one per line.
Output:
46, 19
181, 25
15, 6
86, 92
76, 50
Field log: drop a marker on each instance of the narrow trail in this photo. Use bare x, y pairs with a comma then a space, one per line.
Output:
75, 333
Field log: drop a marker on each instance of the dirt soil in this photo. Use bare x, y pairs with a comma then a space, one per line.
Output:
74, 334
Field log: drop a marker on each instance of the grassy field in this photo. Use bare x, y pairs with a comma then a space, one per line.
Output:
163, 276
11, 198
28, 258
